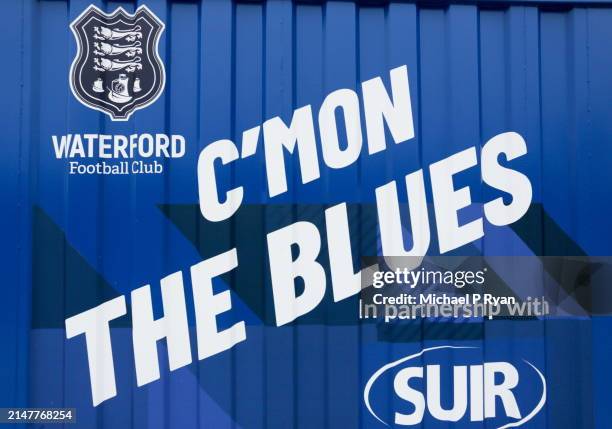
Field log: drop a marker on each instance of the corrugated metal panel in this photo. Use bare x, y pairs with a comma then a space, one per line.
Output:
540, 68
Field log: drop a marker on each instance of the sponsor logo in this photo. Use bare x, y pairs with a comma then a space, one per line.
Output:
117, 69
478, 391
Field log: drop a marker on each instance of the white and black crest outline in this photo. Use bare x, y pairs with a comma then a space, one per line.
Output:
117, 69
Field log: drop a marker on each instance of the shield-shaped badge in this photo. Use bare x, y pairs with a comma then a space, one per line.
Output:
117, 69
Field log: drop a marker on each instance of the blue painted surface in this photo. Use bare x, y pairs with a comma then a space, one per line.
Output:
474, 72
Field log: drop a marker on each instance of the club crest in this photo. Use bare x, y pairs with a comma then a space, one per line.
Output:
117, 69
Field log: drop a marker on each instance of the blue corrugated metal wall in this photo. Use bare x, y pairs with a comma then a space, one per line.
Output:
540, 68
